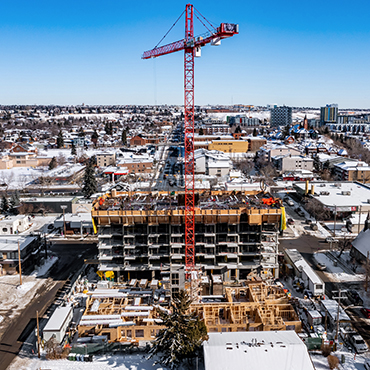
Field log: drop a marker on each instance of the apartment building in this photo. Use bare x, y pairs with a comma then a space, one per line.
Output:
105, 159
271, 150
212, 163
284, 163
136, 164
352, 171
142, 234
281, 116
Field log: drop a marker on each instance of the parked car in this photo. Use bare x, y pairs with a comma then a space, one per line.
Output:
289, 202
299, 212
366, 312
290, 221
358, 343
308, 293
330, 239
355, 298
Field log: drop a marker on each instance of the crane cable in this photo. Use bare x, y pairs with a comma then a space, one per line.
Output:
169, 30
204, 19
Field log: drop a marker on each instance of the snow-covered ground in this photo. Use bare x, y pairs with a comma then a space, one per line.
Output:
117, 362
352, 362
42, 270
15, 297
336, 273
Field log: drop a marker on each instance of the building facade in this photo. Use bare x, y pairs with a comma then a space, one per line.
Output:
281, 116
140, 237
329, 114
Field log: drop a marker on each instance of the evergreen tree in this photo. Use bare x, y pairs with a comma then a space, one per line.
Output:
124, 137
53, 163
317, 164
286, 131
89, 186
238, 130
201, 131
182, 336
81, 132
254, 132
4, 204
108, 129
73, 148
60, 140
14, 202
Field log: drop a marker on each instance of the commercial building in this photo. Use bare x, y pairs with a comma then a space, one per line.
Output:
281, 116
141, 234
30, 247
329, 114
344, 198
255, 143
282, 350
229, 146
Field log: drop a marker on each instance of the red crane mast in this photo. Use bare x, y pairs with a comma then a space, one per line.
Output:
191, 46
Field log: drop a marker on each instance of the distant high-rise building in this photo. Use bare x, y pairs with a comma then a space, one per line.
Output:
281, 116
329, 114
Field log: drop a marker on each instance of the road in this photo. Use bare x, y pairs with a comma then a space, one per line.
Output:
71, 259
307, 245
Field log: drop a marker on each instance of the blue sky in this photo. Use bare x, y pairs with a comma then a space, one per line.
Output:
295, 53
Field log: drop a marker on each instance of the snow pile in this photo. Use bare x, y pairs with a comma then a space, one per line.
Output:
42, 270
25, 287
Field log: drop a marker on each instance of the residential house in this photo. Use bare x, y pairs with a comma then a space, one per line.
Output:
12, 225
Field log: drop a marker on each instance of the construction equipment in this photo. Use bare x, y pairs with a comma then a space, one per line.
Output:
192, 48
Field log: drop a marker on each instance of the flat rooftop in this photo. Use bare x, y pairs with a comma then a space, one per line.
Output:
339, 194
279, 350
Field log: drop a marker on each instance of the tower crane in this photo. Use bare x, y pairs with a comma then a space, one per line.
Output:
192, 48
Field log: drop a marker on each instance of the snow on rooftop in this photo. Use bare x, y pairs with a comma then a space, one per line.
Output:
358, 194
282, 350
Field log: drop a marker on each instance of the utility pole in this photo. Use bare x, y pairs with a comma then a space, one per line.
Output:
335, 219
19, 264
367, 272
359, 221
38, 334
64, 219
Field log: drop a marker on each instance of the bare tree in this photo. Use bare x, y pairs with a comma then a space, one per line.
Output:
246, 166
61, 159
317, 210
6, 179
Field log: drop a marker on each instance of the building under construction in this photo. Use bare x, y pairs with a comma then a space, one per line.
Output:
142, 235
129, 313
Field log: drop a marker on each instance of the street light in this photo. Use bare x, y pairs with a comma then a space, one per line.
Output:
64, 219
